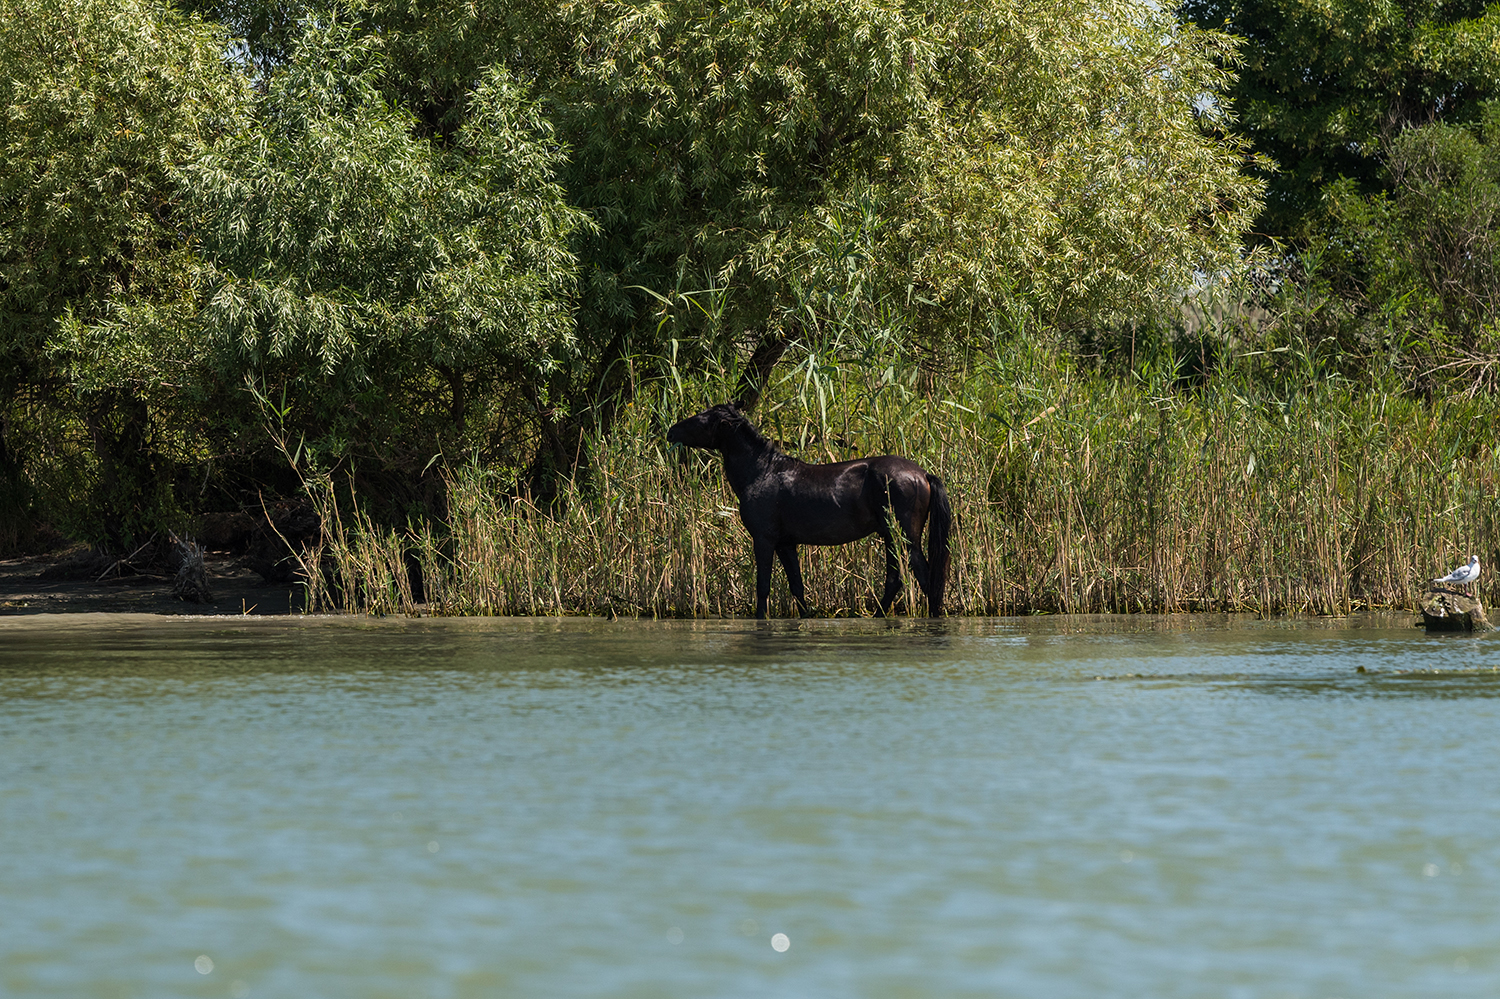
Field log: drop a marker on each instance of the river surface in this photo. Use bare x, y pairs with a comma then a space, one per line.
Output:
1047, 808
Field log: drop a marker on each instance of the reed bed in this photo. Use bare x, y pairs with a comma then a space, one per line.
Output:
1073, 491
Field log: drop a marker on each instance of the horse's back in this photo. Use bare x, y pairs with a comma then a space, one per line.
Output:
836, 502
893, 466
802, 503
883, 466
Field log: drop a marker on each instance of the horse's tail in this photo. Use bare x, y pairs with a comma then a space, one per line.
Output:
939, 522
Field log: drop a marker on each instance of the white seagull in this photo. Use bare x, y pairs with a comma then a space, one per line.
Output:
1464, 574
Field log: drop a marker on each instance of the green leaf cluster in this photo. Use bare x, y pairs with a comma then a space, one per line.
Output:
100, 105
344, 254
1323, 85
1428, 245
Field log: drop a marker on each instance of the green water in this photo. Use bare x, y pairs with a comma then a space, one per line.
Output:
1059, 808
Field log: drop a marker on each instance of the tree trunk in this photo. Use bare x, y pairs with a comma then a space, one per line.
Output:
757, 374
128, 497
1450, 610
17, 516
562, 448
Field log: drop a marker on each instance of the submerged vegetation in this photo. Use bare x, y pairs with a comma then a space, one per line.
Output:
443, 273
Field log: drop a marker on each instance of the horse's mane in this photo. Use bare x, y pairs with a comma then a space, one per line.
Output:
742, 422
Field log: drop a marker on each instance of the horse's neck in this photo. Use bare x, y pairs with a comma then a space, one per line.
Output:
744, 462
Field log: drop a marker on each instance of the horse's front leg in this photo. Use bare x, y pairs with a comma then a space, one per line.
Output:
764, 550
788, 556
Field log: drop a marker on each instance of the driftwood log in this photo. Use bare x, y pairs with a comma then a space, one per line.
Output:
191, 581
1445, 609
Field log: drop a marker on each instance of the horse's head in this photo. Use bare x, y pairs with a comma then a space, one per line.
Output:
710, 429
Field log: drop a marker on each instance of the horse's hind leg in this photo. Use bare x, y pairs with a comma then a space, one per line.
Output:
892, 574
919, 563
911, 531
919, 567
788, 556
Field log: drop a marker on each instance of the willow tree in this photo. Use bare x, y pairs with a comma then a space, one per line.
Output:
934, 171
101, 102
385, 290
760, 172
447, 215
190, 260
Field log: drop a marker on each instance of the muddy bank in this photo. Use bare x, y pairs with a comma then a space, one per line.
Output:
78, 581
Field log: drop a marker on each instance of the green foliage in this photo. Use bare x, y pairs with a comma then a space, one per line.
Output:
805, 164
1425, 253
101, 102
265, 33
351, 266
177, 248
823, 159
1324, 84
399, 231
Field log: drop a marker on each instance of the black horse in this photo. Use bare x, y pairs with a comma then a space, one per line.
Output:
785, 503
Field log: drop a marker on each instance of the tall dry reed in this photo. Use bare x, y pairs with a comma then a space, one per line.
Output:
1073, 492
